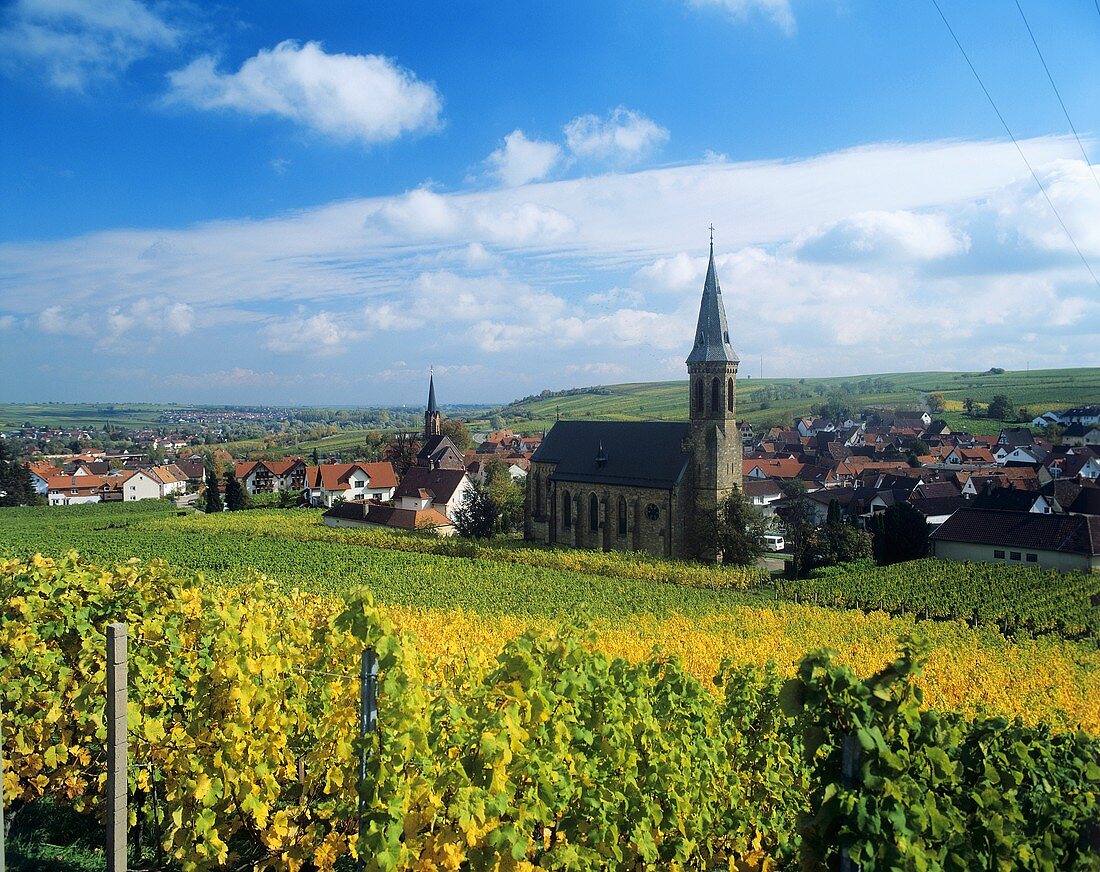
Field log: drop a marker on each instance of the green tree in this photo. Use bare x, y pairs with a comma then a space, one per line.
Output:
458, 432
969, 405
316, 458
15, 481
835, 408
236, 498
838, 541
213, 499
1001, 408
798, 526
476, 516
899, 534
506, 493
936, 402
402, 451
738, 531
374, 445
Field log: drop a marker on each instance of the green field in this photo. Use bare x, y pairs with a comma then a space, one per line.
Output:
87, 415
1037, 390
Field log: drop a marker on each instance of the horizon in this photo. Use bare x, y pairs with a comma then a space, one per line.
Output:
289, 207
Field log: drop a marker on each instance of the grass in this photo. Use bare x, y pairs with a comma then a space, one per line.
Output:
1037, 390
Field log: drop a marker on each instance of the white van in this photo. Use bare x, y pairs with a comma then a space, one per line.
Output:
773, 542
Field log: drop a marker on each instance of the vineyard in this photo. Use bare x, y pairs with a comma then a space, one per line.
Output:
531, 750
447, 600
1016, 599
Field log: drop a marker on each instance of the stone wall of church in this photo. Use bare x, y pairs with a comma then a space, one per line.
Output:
665, 535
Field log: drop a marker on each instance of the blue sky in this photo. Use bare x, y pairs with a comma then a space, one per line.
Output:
312, 203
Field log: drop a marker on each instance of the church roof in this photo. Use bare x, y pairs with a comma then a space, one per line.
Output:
712, 337
631, 453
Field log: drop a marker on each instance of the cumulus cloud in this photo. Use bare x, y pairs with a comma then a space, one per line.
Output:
113, 327
319, 335
779, 11
76, 43
364, 98
894, 236
623, 136
521, 160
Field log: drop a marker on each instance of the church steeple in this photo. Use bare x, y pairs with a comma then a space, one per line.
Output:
712, 337
433, 424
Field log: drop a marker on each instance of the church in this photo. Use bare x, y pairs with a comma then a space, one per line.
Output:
644, 486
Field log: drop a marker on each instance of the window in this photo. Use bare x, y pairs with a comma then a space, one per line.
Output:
593, 513
699, 395
715, 396
652, 512
538, 496
1032, 558
729, 395
566, 510
622, 516
998, 555
1013, 555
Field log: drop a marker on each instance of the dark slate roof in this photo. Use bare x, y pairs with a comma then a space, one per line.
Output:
1075, 534
1087, 502
435, 447
935, 506
1008, 499
712, 335
638, 453
441, 482
352, 510
1016, 436
431, 394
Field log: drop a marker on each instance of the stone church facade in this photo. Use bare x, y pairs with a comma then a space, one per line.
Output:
645, 486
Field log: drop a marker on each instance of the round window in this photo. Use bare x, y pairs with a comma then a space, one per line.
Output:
652, 512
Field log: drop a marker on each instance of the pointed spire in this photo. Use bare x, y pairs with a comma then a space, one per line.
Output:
712, 338
431, 391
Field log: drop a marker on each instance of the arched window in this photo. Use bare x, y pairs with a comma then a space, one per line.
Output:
622, 516
538, 495
715, 396
593, 513
729, 395
699, 395
566, 510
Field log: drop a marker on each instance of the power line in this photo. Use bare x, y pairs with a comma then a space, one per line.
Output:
1023, 156
1058, 94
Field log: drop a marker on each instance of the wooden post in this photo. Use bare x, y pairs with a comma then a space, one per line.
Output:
368, 723
116, 748
849, 768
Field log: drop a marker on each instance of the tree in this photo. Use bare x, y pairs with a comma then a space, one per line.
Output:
798, 525
936, 403
476, 515
458, 432
969, 405
402, 451
838, 541
1001, 408
235, 496
835, 408
734, 533
900, 533
213, 495
15, 481
374, 445
316, 458
506, 493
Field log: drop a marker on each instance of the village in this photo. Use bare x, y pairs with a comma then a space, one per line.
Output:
1018, 497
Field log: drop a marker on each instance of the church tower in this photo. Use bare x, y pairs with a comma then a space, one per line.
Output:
433, 424
712, 381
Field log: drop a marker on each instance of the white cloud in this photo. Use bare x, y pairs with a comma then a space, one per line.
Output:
322, 334
1022, 209
779, 11
895, 236
7, 322
521, 160
366, 98
623, 136
80, 42
223, 378
595, 369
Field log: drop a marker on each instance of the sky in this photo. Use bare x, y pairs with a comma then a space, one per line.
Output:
314, 203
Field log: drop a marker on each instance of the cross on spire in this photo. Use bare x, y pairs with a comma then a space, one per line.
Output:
712, 239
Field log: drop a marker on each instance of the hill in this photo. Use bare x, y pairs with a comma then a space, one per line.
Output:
779, 401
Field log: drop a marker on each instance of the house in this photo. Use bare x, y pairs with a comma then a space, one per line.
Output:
1081, 434
71, 490
937, 510
784, 468
1015, 436
1046, 419
373, 514
1021, 455
1073, 465
142, 484
41, 473
971, 457
171, 478
763, 493
1086, 415
517, 468
1068, 543
1013, 500
1019, 477
329, 482
272, 476
440, 489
